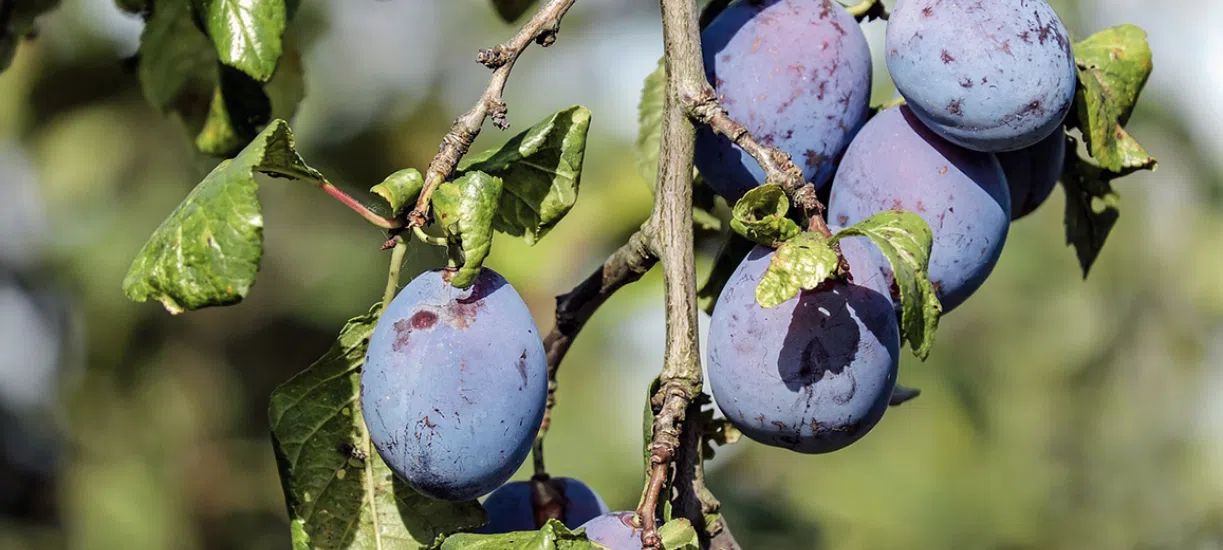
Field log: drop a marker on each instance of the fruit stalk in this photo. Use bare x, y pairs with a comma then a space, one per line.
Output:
680, 381
541, 29
626, 265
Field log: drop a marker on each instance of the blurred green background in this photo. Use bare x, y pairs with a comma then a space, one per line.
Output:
1057, 413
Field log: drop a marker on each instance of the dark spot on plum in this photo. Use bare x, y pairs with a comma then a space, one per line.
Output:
946, 57
813, 158
927, 11
522, 367
779, 425
954, 108
403, 334
966, 82
423, 319
897, 204
843, 220
760, 419
921, 206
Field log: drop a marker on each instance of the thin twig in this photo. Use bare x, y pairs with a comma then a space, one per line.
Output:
680, 381
626, 265
542, 29
392, 277
693, 499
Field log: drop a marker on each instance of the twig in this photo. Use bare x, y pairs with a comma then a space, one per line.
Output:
626, 265
693, 498
356, 206
542, 28
680, 381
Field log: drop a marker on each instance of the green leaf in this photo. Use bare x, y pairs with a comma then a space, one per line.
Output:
340, 493
649, 123
730, 255
1113, 67
465, 209
511, 10
1092, 208
400, 189
247, 34
761, 216
679, 534
178, 67
541, 168
19, 23
802, 263
553, 536
238, 109
906, 240
207, 252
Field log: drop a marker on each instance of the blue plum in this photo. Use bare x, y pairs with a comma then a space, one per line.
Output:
797, 73
1032, 173
814, 374
897, 163
454, 385
510, 507
991, 76
614, 530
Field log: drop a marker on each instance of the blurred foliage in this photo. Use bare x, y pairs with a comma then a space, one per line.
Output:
1056, 413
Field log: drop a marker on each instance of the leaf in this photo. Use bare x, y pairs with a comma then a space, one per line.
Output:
1092, 208
541, 168
801, 263
465, 209
340, 493
679, 534
511, 10
400, 189
649, 123
178, 67
247, 34
238, 109
1113, 67
730, 255
207, 252
553, 536
906, 240
761, 216
19, 22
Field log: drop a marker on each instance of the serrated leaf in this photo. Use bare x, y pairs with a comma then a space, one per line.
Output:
679, 534
207, 252
649, 123
18, 21
730, 255
465, 208
340, 494
511, 10
542, 169
906, 241
802, 263
400, 189
247, 34
760, 216
1092, 208
1113, 67
553, 536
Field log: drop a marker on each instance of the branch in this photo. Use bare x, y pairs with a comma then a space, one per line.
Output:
693, 499
680, 381
626, 265
542, 29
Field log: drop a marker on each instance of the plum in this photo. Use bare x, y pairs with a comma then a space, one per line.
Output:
614, 530
797, 73
814, 374
510, 507
897, 163
454, 385
1032, 173
992, 76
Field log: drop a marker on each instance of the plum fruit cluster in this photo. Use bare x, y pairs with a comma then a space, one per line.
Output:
976, 143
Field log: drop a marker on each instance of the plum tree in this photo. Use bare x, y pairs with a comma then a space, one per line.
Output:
454, 384
812, 375
614, 530
1032, 173
990, 76
797, 73
510, 507
896, 163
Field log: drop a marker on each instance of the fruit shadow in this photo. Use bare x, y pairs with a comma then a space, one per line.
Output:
824, 335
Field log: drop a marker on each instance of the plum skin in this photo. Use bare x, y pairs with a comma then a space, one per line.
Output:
615, 530
1032, 173
988, 76
510, 509
812, 375
897, 163
797, 74
454, 385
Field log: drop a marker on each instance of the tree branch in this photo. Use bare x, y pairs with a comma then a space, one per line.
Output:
542, 29
680, 381
694, 500
626, 265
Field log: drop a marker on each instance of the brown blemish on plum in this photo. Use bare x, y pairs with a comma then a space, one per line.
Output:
946, 57
943, 171
927, 11
522, 367
842, 220
955, 108
423, 320
403, 334
813, 158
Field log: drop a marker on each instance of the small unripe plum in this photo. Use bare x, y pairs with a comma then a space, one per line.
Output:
614, 530
1032, 173
510, 507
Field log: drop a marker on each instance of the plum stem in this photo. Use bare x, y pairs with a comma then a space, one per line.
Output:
392, 277
868, 9
627, 264
426, 238
542, 29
